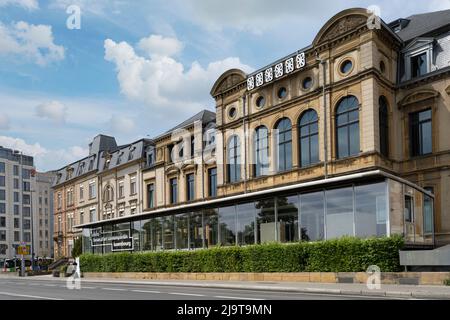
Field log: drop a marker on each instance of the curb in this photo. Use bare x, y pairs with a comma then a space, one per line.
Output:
330, 291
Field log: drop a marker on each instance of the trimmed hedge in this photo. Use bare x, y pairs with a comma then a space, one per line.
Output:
341, 255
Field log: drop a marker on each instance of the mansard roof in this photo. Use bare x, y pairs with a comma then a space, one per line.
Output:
421, 25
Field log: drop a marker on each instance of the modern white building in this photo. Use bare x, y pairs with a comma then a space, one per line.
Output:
25, 203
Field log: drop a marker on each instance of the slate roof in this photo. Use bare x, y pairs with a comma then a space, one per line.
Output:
419, 25
205, 116
123, 155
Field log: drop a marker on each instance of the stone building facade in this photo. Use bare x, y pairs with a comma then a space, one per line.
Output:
346, 136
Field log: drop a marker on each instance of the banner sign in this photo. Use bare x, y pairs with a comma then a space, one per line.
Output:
119, 240
122, 245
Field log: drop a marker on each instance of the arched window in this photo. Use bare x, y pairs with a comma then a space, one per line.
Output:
347, 127
284, 142
308, 130
109, 194
234, 160
261, 147
384, 127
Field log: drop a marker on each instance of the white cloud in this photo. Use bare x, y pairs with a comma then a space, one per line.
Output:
45, 159
27, 4
158, 45
20, 144
162, 82
121, 124
53, 110
34, 42
4, 122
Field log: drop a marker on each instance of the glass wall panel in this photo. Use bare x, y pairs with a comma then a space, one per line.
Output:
182, 227
87, 247
98, 248
137, 235
287, 218
227, 221
371, 210
339, 221
246, 223
122, 230
196, 230
168, 233
265, 220
147, 234
211, 225
107, 231
312, 216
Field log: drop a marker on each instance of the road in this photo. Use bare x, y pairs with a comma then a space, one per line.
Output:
29, 289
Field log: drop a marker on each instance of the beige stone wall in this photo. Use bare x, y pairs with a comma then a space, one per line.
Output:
164, 170
129, 201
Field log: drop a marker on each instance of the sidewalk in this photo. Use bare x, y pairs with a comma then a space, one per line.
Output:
391, 291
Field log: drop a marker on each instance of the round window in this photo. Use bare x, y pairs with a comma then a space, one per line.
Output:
282, 93
307, 83
260, 102
232, 112
382, 66
346, 66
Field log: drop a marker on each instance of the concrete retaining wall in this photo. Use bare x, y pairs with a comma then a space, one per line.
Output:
412, 278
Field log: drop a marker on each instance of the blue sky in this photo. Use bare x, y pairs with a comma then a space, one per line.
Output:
137, 68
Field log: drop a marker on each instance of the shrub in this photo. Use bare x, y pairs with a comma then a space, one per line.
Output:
341, 255
447, 282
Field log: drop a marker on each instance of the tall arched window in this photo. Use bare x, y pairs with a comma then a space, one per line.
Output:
284, 142
384, 127
261, 147
347, 127
308, 130
234, 160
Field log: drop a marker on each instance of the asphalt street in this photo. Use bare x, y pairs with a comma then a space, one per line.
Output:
29, 289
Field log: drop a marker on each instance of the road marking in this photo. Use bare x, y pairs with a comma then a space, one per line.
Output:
49, 285
83, 287
186, 294
145, 291
27, 296
236, 298
114, 289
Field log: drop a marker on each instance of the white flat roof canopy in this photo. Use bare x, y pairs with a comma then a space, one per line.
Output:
240, 197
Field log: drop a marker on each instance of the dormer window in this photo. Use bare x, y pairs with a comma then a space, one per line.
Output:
80, 169
119, 158
418, 58
91, 163
69, 173
107, 161
419, 65
131, 154
150, 153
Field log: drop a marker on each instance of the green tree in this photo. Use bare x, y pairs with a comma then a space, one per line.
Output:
77, 248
